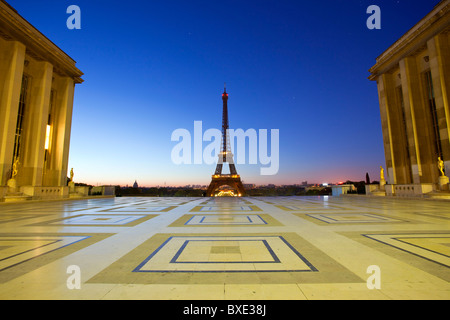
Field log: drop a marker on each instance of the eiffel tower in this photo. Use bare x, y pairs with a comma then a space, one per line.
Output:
225, 156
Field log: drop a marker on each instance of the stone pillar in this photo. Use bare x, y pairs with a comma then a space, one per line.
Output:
12, 57
439, 55
413, 104
56, 175
384, 83
36, 123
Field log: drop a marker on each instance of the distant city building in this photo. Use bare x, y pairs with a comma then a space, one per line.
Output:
413, 80
341, 189
135, 184
37, 82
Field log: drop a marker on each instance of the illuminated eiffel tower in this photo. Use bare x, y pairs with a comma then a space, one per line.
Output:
225, 156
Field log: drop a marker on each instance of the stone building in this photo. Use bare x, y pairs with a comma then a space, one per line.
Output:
37, 81
413, 80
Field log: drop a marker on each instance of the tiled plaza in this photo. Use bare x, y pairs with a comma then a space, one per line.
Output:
225, 248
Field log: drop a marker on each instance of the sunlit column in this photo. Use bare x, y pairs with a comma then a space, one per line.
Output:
12, 57
36, 123
439, 55
385, 97
414, 105
64, 88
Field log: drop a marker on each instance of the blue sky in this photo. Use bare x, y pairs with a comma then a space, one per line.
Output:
152, 67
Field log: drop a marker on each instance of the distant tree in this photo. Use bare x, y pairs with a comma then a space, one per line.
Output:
180, 193
367, 178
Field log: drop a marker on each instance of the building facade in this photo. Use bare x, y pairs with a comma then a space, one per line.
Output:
37, 81
413, 80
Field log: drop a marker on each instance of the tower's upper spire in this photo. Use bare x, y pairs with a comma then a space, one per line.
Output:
224, 94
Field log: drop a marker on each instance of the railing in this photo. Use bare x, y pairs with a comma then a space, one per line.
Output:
215, 176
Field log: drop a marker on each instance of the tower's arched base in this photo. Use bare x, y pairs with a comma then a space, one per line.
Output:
234, 181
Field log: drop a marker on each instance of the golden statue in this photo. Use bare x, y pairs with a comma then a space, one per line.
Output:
441, 166
15, 168
71, 175
381, 173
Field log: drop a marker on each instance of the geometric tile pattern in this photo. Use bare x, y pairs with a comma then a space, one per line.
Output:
228, 220
142, 209
225, 220
24, 253
225, 254
16, 250
220, 220
296, 247
307, 207
14, 217
227, 258
225, 208
339, 218
99, 220
433, 247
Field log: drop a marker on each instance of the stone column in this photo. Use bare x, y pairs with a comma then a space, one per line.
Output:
36, 123
64, 90
384, 83
12, 57
414, 106
439, 55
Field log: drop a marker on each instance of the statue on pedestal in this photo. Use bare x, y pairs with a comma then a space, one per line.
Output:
443, 179
71, 183
441, 166
15, 168
12, 183
382, 181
